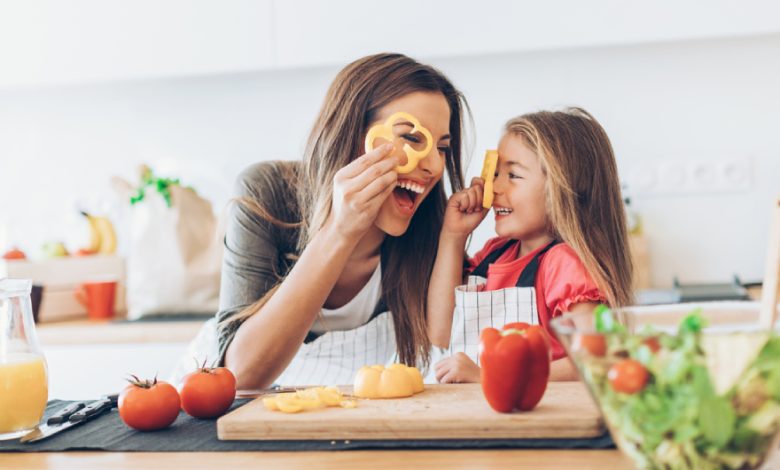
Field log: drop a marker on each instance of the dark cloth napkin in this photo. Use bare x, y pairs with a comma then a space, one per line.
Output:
107, 432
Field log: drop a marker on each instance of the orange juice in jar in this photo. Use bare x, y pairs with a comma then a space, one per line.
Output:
23, 392
23, 372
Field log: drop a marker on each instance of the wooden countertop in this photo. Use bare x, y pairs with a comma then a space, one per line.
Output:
342, 460
552, 459
80, 332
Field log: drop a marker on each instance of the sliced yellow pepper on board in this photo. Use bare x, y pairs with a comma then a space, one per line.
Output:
385, 131
307, 399
488, 175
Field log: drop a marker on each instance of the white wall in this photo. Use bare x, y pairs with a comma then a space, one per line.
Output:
695, 100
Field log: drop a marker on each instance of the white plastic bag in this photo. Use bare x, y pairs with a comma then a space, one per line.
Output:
174, 255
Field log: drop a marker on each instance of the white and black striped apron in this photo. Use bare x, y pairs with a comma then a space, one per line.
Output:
476, 308
332, 358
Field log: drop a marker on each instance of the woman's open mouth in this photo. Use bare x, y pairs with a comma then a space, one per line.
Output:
405, 195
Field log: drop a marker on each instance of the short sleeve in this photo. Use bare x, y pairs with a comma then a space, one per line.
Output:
254, 248
562, 282
565, 281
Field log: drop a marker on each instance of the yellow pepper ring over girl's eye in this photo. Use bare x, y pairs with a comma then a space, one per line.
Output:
385, 131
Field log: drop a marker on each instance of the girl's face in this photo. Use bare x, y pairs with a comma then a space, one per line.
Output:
519, 201
433, 112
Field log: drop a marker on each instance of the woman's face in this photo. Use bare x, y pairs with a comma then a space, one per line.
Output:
433, 112
519, 187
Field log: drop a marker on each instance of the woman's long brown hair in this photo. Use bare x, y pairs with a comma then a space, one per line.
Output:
351, 104
584, 205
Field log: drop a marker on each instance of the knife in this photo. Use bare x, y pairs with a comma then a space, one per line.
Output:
72, 415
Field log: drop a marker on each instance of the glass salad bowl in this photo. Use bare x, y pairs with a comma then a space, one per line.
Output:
681, 386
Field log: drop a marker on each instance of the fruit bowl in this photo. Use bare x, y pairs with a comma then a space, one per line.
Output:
681, 386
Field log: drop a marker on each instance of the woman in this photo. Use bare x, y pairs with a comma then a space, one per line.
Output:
327, 261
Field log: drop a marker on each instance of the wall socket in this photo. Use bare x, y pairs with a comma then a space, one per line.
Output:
670, 177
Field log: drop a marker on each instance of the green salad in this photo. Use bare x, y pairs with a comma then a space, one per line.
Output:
656, 391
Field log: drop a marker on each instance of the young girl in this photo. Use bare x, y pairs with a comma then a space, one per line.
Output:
561, 245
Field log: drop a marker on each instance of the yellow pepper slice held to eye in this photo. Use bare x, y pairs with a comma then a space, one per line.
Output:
488, 175
385, 130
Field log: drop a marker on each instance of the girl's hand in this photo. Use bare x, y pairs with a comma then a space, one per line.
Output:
464, 210
360, 189
457, 369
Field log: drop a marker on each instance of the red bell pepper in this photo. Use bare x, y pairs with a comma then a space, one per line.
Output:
515, 366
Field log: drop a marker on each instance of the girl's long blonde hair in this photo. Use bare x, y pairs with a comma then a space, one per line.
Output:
351, 104
584, 204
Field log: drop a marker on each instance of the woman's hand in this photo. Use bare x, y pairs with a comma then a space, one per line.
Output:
464, 210
457, 369
360, 189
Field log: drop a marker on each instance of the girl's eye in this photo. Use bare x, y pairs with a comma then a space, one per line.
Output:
513, 176
445, 150
411, 138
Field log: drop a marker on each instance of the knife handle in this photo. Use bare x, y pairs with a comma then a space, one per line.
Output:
90, 411
65, 413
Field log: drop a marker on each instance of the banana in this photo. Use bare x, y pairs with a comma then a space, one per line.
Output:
107, 235
102, 237
94, 233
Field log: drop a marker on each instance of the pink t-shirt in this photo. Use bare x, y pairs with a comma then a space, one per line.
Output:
561, 280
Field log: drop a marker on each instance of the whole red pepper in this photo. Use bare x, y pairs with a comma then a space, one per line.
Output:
515, 366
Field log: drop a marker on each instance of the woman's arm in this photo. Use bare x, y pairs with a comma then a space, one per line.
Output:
266, 342
463, 214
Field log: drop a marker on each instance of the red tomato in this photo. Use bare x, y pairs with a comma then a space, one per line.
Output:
595, 345
149, 405
652, 343
627, 376
14, 254
207, 392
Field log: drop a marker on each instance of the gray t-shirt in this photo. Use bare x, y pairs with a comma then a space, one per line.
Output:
259, 253
256, 254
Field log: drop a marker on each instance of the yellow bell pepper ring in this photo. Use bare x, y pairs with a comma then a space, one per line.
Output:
385, 131
488, 175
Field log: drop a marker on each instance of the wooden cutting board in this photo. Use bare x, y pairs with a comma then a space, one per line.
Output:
449, 411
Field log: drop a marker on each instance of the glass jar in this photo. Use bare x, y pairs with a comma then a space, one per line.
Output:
23, 372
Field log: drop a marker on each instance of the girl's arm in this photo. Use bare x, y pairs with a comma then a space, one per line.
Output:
463, 214
447, 274
563, 369
266, 342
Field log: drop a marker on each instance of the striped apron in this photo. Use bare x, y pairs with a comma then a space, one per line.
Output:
477, 308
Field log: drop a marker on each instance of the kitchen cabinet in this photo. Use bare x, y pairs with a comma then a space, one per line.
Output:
338, 31
88, 359
53, 42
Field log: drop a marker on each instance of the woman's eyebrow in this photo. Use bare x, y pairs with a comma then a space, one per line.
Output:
409, 124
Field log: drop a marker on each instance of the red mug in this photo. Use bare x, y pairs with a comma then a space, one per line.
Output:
98, 298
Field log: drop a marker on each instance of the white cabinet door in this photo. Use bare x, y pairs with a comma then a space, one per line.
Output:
51, 41
83, 372
339, 31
